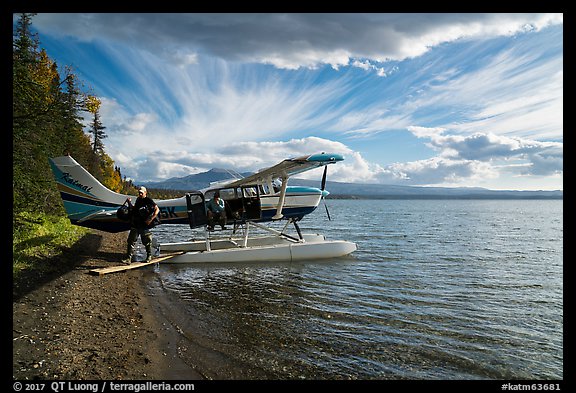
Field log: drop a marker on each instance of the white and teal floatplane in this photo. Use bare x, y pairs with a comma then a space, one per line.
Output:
250, 202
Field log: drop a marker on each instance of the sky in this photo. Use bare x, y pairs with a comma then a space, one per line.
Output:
450, 100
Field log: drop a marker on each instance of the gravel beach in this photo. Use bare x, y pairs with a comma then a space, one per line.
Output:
78, 326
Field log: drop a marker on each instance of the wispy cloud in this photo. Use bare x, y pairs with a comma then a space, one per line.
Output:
518, 94
214, 106
185, 92
516, 91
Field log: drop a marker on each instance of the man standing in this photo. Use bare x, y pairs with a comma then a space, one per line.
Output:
142, 214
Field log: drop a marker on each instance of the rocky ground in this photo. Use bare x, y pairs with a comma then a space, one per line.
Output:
77, 326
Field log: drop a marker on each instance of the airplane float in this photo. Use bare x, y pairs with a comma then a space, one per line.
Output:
250, 201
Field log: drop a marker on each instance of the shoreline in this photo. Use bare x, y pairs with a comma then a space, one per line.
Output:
78, 326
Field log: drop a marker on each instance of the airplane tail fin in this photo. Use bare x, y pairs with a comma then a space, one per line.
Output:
85, 198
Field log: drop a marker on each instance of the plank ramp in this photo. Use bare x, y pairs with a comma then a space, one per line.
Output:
133, 265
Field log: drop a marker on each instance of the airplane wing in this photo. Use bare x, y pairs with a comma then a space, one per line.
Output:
288, 168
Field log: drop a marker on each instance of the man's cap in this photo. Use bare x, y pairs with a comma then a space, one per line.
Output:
142, 189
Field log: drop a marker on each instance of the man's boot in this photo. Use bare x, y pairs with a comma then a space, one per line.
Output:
148, 246
127, 260
129, 253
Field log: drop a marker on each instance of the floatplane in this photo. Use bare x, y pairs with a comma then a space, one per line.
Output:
251, 202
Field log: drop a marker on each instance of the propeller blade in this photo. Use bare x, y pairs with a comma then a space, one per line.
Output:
327, 212
323, 187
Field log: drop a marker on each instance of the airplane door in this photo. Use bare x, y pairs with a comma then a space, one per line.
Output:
251, 202
196, 209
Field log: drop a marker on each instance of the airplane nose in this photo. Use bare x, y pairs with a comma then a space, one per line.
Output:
325, 193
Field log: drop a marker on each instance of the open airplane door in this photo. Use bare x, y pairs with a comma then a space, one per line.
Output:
251, 203
242, 203
196, 209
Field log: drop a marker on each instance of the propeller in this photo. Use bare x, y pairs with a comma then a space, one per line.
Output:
323, 186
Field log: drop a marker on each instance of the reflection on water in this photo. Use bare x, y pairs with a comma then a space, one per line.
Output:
436, 290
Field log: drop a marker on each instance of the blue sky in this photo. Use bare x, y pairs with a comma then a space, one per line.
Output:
465, 100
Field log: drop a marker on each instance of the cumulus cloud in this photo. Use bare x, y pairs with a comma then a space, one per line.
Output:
461, 160
236, 156
368, 66
543, 158
442, 170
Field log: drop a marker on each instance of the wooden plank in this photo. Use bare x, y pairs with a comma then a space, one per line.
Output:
133, 265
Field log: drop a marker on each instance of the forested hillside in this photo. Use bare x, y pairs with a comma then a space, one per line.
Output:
48, 105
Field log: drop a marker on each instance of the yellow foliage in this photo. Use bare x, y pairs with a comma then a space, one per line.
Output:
45, 74
110, 177
92, 104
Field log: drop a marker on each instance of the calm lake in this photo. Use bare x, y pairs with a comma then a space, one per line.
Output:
438, 289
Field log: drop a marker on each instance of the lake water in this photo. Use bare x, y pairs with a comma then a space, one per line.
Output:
438, 289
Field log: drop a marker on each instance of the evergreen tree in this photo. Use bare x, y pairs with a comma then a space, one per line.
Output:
73, 131
33, 98
96, 164
46, 123
97, 134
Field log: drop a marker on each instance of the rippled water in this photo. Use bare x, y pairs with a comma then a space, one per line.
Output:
437, 290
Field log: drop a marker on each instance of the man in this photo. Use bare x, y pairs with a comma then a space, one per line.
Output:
142, 214
216, 209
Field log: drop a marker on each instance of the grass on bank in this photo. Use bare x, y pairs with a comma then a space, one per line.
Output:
37, 238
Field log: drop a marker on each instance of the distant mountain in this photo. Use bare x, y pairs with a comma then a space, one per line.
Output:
358, 190
384, 191
193, 182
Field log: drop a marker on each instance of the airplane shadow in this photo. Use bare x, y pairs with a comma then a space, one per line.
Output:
34, 242
44, 270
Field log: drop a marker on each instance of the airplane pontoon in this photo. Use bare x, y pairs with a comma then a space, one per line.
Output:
250, 202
